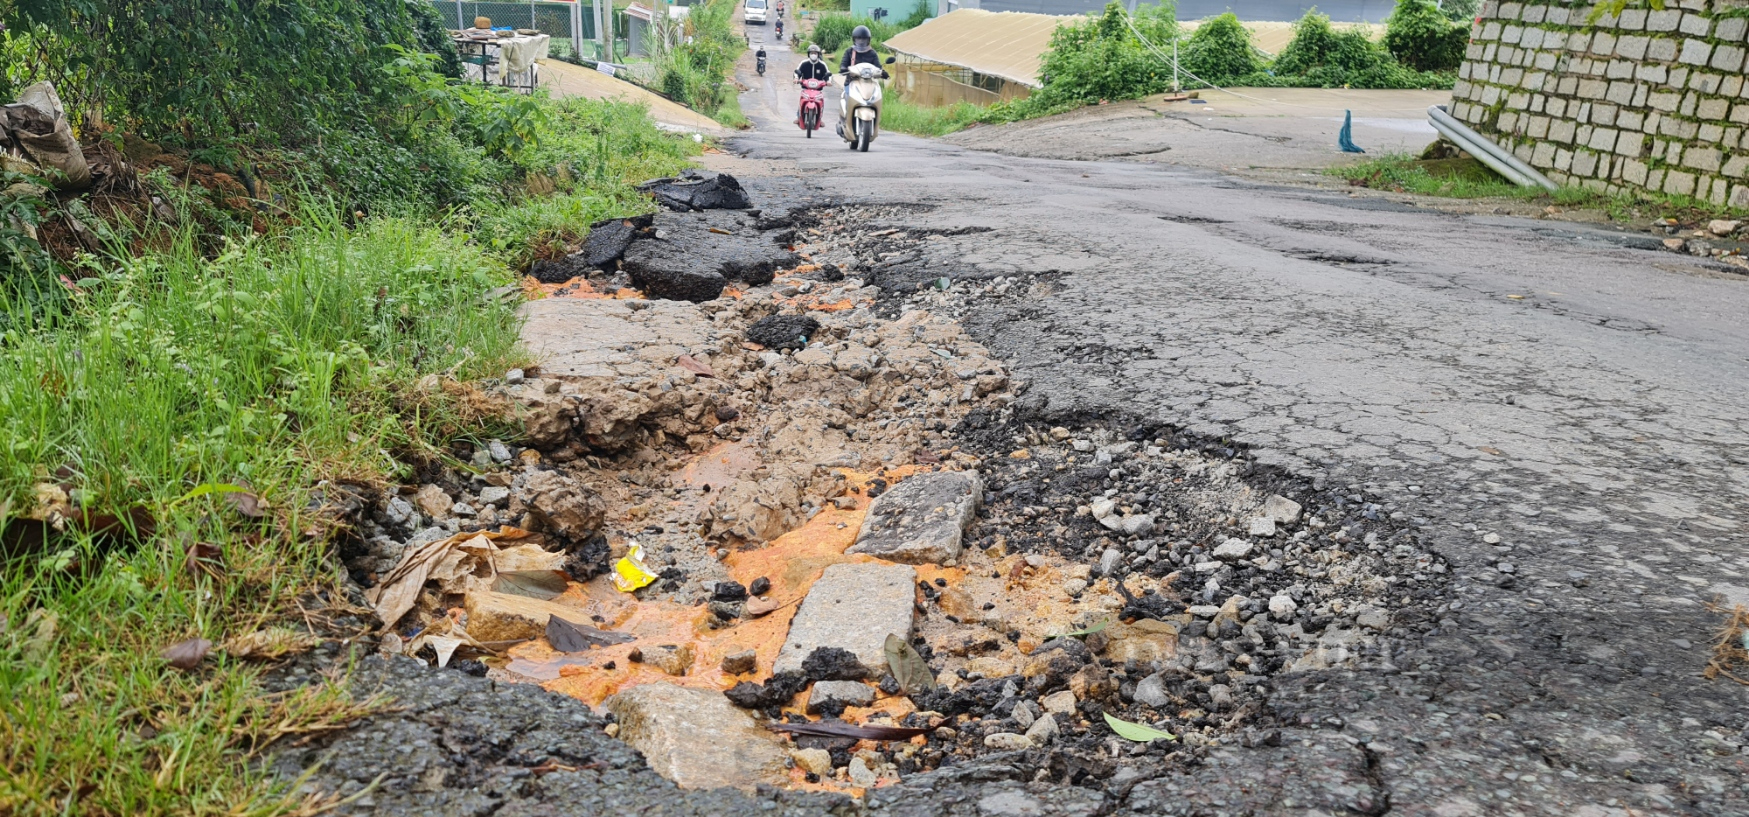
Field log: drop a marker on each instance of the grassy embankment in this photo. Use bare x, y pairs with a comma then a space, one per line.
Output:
214, 386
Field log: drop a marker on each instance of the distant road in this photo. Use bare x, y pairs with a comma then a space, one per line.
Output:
1341, 11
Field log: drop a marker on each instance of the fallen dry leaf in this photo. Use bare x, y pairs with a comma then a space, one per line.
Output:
908, 667
568, 637
759, 606
246, 504
185, 655
535, 584
692, 364
269, 644
204, 557
455, 563
846, 730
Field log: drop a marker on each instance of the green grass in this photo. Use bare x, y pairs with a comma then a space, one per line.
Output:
1469, 179
592, 153
729, 113
285, 361
289, 363
900, 115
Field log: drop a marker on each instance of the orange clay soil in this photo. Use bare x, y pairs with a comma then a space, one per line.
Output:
792, 562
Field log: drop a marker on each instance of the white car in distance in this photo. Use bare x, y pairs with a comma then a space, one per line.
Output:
754, 12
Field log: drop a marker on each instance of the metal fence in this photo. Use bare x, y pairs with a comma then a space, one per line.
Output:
571, 25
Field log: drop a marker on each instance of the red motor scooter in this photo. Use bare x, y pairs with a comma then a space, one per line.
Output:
813, 105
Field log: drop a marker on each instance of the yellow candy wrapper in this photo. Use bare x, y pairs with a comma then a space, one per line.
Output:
630, 572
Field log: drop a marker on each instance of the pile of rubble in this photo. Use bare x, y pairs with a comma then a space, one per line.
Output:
810, 509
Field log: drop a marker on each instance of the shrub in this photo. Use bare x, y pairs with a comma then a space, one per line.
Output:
1101, 59
832, 33
1220, 51
1316, 44
1461, 11
1423, 39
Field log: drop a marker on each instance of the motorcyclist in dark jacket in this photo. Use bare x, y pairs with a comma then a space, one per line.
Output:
813, 67
860, 52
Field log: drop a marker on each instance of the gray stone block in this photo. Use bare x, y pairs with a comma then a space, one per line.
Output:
852, 607
1695, 25
696, 738
1695, 52
1663, 20
1727, 58
1632, 47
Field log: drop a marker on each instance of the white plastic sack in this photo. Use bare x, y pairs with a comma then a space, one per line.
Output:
57, 149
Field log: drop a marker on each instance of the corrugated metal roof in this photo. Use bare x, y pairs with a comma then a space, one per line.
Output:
1004, 44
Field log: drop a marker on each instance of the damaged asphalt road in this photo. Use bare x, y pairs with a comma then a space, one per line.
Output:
1529, 448
1562, 421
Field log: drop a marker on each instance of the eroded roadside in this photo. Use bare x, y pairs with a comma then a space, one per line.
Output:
1102, 567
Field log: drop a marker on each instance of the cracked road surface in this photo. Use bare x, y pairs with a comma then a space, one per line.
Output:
1561, 412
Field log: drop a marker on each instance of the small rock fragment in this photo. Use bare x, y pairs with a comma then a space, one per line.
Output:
815, 761
1281, 509
1152, 691
433, 501
1007, 742
669, 658
1042, 730
1233, 550
1059, 703
783, 331
860, 774
831, 697
740, 663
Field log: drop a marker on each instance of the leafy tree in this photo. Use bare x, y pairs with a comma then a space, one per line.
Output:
1422, 38
1220, 50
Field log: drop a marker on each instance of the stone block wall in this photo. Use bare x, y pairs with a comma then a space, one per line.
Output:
1645, 99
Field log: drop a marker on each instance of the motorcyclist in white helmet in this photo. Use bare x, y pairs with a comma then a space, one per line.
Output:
812, 68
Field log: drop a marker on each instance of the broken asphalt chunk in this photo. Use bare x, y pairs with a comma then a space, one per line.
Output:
922, 519
783, 331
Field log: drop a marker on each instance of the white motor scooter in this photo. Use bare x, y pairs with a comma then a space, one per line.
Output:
859, 106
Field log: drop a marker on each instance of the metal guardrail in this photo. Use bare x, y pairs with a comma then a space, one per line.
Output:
1486, 151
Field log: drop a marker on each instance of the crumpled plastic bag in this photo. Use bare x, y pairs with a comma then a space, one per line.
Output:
630, 572
39, 125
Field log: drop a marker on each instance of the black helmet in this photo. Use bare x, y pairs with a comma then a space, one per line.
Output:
813, 50
860, 37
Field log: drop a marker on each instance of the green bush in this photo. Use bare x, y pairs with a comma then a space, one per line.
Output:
1423, 39
1317, 45
1461, 11
1101, 59
1220, 51
832, 33
695, 71
217, 70
433, 37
